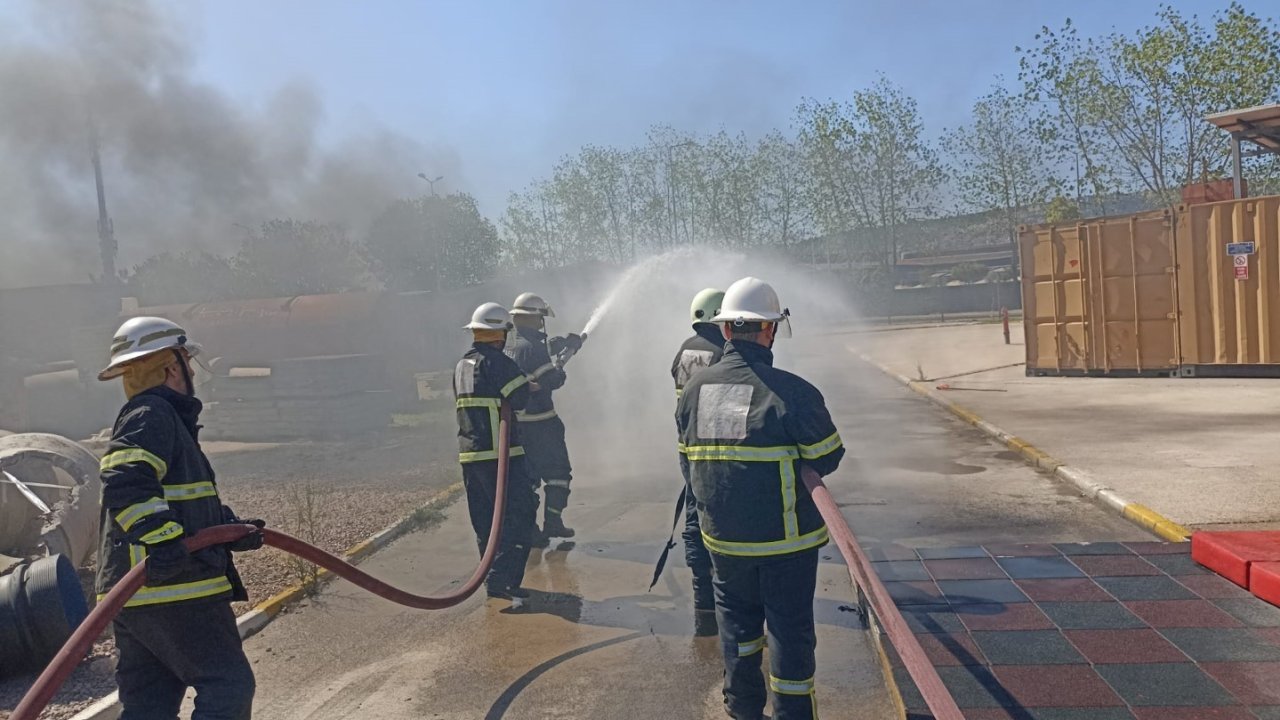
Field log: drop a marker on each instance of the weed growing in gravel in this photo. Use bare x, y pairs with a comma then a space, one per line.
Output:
303, 501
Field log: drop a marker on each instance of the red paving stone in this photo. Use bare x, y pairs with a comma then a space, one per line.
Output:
1253, 683
1013, 616
1182, 614
951, 649
1192, 713
965, 569
1213, 587
1114, 565
1041, 686
1104, 647
1064, 590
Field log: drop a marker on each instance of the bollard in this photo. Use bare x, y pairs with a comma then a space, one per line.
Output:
1004, 320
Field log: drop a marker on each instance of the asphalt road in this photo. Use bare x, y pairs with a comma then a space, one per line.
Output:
592, 643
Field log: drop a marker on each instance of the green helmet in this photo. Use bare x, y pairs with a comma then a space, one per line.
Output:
706, 305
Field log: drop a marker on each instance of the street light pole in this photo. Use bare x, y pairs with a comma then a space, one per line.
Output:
431, 183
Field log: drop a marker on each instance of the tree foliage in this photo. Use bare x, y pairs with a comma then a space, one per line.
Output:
432, 243
283, 258
996, 161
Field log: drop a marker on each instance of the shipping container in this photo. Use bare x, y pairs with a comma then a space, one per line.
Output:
1193, 292
1099, 296
1229, 287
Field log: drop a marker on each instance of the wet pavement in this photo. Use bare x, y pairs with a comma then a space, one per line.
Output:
592, 643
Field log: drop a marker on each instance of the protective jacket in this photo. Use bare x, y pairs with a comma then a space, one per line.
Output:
483, 378
529, 348
745, 427
704, 349
158, 487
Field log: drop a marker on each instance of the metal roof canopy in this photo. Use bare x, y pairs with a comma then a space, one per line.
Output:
1257, 125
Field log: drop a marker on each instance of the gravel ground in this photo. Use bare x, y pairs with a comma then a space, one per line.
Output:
331, 494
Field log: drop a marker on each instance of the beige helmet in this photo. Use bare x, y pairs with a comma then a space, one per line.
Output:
531, 304
489, 316
144, 336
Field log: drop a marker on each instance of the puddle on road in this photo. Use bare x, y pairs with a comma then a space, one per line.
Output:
937, 466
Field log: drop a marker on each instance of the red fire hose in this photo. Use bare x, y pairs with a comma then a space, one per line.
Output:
74, 650
935, 694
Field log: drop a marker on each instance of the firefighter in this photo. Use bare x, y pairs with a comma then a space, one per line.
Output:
541, 429
158, 488
702, 350
482, 381
746, 429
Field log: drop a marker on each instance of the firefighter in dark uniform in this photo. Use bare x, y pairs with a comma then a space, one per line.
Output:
158, 488
482, 381
541, 429
702, 350
746, 429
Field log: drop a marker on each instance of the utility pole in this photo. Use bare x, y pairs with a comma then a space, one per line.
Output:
106, 229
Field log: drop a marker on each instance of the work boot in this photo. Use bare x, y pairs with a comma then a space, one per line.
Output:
555, 527
704, 623
518, 592
539, 539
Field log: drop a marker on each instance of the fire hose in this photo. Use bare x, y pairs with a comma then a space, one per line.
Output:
935, 693
78, 645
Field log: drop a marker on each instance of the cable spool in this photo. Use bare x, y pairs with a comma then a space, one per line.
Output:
41, 604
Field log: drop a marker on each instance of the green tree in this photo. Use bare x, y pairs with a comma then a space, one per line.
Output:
996, 162
432, 243
188, 277
284, 258
871, 166
1061, 209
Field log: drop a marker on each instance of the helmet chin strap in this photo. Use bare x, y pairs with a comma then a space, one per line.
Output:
186, 373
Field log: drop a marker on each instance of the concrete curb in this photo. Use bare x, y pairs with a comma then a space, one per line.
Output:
252, 622
1138, 514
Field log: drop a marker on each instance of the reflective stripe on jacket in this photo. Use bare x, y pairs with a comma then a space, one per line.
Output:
528, 347
483, 378
745, 427
158, 486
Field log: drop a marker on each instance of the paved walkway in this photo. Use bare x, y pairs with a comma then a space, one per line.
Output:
1104, 631
1203, 452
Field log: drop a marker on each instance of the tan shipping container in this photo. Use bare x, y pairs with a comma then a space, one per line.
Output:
1155, 293
1229, 325
1099, 296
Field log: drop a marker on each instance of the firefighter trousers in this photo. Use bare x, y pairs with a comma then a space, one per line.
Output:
548, 462
768, 597
695, 550
165, 649
481, 482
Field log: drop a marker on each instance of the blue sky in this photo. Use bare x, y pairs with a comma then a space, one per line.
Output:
510, 87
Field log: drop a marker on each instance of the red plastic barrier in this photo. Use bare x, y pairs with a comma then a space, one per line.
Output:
1264, 581
1231, 553
935, 693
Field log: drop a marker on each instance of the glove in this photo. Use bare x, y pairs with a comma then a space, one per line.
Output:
166, 561
253, 540
574, 341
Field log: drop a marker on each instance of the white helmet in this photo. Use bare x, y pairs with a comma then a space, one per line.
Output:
531, 304
751, 300
706, 305
142, 336
489, 316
